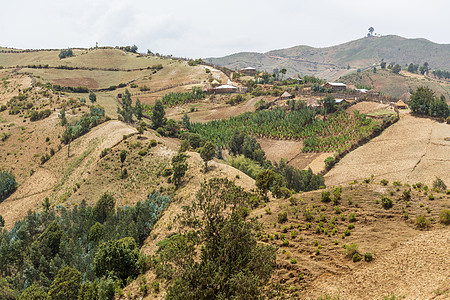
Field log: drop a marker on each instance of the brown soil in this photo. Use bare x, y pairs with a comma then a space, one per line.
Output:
367, 107
412, 150
74, 82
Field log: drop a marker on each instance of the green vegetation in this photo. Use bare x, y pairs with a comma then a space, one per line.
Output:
424, 102
338, 132
65, 53
37, 248
230, 264
8, 184
173, 99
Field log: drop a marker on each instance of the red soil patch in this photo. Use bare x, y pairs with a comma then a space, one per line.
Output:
74, 82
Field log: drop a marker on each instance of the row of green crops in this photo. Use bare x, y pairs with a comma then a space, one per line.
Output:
333, 132
172, 99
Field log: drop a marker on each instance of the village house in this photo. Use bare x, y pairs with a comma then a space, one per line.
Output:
225, 89
335, 86
249, 71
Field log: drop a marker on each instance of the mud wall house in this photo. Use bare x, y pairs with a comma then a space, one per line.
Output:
225, 89
335, 86
249, 71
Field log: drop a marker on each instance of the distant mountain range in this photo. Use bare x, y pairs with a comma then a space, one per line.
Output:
333, 62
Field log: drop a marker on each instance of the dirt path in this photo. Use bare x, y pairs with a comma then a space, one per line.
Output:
412, 150
417, 269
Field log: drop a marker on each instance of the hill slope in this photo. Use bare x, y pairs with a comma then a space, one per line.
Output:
332, 62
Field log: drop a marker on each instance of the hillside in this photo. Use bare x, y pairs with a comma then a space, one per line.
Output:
91, 187
332, 62
396, 85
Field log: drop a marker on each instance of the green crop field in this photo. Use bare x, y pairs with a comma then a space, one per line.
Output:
336, 132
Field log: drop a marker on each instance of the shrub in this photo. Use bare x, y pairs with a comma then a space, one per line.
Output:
368, 256
347, 232
285, 242
8, 184
422, 222
293, 261
384, 182
282, 217
326, 196
356, 257
386, 202
351, 250
430, 197
444, 217
337, 210
352, 217
308, 214
329, 162
407, 194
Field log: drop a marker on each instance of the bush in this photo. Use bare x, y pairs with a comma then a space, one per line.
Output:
422, 222
444, 217
351, 250
386, 202
8, 184
384, 182
282, 217
352, 217
356, 257
326, 196
439, 185
368, 256
329, 162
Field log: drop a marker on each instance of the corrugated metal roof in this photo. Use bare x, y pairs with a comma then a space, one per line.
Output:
337, 84
226, 86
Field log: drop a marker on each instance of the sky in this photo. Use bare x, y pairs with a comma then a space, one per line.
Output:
200, 28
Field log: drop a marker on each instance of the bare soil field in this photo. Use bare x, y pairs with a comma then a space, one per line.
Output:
412, 150
367, 107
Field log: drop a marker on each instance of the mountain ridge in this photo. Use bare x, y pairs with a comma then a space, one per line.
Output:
334, 61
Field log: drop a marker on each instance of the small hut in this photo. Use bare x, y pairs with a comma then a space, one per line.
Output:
286, 96
401, 105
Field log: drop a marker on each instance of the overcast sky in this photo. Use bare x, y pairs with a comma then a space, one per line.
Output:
215, 28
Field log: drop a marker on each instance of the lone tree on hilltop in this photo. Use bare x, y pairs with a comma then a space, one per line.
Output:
371, 30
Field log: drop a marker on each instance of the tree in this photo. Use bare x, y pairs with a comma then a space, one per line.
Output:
421, 99
33, 292
396, 69
126, 112
383, 64
231, 264
158, 119
439, 107
283, 72
179, 168
265, 180
92, 97
67, 138
207, 153
329, 104
121, 257
424, 68
138, 110
104, 207
8, 184
236, 142
371, 30
122, 156
62, 116
66, 285
185, 121
141, 128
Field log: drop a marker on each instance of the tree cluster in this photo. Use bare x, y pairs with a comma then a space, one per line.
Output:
71, 253
230, 264
424, 102
65, 53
